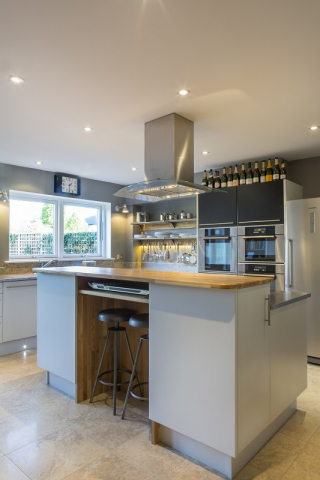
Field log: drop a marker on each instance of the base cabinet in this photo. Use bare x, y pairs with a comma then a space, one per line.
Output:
19, 310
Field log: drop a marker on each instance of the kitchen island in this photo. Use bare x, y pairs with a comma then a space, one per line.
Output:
226, 360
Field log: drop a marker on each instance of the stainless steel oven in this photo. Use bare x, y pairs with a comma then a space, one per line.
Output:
263, 244
275, 271
217, 250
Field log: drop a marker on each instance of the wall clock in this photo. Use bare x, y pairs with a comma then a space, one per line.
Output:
66, 185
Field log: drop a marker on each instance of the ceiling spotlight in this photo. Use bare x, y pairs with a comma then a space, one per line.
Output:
88, 129
183, 92
134, 169
16, 79
4, 196
123, 209
205, 152
38, 163
315, 127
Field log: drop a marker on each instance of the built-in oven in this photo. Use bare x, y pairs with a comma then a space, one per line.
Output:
275, 271
217, 250
263, 244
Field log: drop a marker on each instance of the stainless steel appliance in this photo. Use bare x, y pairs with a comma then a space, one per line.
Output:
263, 243
271, 270
217, 251
303, 263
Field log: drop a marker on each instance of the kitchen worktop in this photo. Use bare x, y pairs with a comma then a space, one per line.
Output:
200, 280
15, 277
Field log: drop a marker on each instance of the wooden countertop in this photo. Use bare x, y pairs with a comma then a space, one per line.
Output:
200, 280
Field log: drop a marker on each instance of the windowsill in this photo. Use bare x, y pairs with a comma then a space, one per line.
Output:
41, 260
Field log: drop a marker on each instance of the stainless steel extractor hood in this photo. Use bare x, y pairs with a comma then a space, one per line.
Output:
169, 162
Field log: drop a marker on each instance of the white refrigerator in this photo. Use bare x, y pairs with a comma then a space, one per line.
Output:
303, 263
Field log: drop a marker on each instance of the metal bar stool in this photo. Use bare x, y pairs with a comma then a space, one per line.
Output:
139, 320
115, 315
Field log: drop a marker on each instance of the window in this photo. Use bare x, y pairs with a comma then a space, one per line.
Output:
46, 226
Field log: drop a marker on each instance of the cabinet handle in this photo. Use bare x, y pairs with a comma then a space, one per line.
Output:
22, 286
252, 237
219, 223
261, 221
258, 275
290, 251
216, 238
267, 300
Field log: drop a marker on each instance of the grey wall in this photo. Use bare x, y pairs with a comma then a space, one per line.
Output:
306, 172
40, 181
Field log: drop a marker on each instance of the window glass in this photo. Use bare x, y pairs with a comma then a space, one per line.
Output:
31, 228
81, 230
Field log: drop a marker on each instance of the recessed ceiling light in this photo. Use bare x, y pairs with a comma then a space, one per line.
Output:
315, 127
88, 129
38, 163
183, 92
134, 168
205, 152
16, 79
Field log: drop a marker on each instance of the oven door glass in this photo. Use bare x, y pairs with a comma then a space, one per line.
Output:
217, 255
260, 249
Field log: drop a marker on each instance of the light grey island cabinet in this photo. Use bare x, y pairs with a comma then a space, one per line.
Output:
219, 348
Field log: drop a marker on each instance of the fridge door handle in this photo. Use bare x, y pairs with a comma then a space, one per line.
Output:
290, 260
267, 307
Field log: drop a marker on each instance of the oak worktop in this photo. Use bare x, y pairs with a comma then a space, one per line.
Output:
200, 280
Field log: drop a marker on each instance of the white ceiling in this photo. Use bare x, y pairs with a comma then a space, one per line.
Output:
252, 67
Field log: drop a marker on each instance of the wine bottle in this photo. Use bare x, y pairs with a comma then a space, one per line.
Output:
224, 179
236, 176
217, 180
269, 173
204, 179
276, 171
256, 173
243, 175
230, 178
249, 178
283, 171
210, 178
263, 172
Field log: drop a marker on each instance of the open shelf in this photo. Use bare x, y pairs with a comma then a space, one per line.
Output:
173, 223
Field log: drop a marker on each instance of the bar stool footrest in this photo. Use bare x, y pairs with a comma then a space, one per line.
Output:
111, 384
143, 399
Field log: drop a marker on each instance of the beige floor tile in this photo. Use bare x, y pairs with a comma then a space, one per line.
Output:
26, 427
9, 471
29, 381
284, 443
158, 461
66, 408
57, 455
197, 472
301, 425
108, 467
309, 400
17, 402
251, 473
108, 430
315, 439
273, 463
298, 472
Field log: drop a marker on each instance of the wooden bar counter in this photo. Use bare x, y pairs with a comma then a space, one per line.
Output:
216, 351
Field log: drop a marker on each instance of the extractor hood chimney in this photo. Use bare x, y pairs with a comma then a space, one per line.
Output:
169, 162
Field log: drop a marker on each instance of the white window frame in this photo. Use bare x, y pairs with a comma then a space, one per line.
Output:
104, 226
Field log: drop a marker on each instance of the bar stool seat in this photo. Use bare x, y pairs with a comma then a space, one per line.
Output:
138, 320
116, 316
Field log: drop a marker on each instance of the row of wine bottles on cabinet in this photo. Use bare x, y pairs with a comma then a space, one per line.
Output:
247, 176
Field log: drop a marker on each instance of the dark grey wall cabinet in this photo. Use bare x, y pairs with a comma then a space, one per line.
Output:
260, 202
218, 207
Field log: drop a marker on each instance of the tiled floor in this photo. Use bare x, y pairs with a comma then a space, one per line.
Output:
44, 435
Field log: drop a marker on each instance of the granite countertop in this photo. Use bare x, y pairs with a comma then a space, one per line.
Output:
14, 277
281, 299
201, 280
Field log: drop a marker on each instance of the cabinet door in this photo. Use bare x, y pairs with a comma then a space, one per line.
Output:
19, 310
260, 202
218, 208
